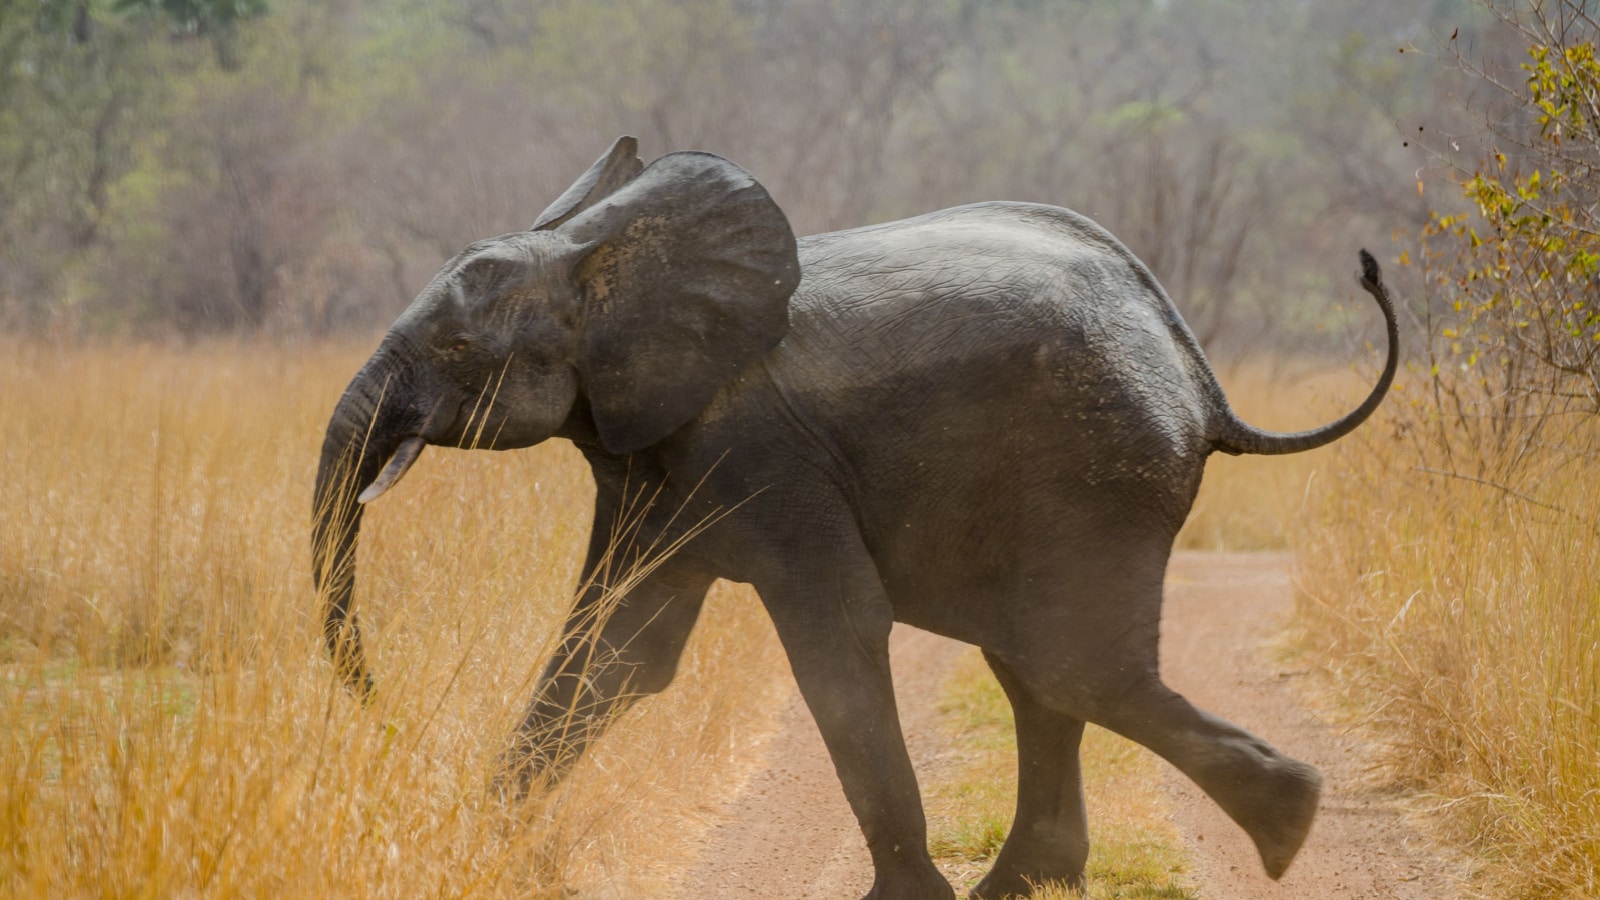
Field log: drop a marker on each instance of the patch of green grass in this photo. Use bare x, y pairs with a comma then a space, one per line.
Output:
76, 700
1134, 851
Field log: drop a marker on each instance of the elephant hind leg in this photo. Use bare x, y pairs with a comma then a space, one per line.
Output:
1049, 839
1271, 796
1094, 655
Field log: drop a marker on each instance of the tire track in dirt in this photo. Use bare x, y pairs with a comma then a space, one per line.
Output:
790, 834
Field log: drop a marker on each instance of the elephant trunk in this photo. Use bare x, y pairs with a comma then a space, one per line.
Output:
373, 424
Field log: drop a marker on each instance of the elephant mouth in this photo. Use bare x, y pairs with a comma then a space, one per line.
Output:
400, 463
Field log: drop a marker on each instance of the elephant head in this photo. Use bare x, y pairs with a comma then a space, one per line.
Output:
618, 315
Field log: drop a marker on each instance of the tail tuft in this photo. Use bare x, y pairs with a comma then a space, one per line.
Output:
1371, 275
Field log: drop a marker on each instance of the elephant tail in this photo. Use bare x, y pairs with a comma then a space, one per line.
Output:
1236, 437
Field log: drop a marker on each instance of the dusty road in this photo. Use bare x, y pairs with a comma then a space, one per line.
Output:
789, 833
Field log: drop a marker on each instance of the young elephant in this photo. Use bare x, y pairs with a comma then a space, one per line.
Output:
988, 422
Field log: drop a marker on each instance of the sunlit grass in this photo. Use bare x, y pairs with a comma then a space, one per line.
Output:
168, 724
1463, 620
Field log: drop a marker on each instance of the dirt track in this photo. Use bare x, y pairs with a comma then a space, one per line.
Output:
789, 833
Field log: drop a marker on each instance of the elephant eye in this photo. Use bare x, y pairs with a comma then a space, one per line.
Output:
458, 344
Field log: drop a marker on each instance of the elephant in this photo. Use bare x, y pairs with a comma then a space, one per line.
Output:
988, 422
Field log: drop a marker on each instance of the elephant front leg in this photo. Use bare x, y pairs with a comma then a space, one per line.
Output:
613, 651
834, 622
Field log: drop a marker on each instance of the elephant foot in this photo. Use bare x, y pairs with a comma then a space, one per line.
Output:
997, 885
907, 883
1278, 813
1033, 858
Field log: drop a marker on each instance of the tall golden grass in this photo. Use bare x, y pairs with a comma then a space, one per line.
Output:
168, 723
1453, 593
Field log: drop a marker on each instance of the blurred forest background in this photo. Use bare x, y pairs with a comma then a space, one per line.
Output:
301, 167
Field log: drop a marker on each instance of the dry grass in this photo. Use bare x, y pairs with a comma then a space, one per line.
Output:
1464, 622
168, 725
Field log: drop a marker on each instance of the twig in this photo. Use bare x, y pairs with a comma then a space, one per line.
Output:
1494, 484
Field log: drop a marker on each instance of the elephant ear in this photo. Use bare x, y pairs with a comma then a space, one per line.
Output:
686, 277
611, 171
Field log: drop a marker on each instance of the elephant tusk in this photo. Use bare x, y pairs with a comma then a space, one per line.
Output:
399, 463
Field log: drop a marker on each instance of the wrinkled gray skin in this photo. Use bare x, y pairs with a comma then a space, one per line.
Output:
988, 422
